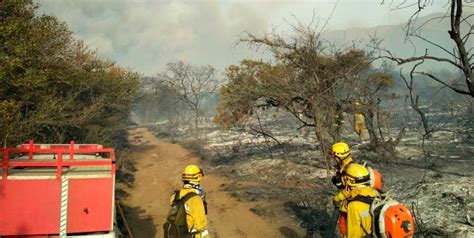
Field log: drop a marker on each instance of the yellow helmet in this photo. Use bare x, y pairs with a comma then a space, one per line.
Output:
357, 105
356, 175
192, 174
341, 150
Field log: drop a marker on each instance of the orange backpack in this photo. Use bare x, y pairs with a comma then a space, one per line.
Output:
390, 218
375, 178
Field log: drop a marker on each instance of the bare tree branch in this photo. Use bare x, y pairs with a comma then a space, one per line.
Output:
191, 83
436, 45
443, 83
460, 57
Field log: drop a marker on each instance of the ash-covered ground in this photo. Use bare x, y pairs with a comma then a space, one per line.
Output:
433, 176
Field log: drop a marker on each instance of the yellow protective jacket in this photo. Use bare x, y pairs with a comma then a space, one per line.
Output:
359, 125
195, 212
359, 220
359, 118
340, 198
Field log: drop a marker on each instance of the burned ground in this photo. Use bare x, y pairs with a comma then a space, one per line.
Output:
433, 177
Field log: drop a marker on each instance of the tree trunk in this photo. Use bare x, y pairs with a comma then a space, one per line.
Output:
369, 121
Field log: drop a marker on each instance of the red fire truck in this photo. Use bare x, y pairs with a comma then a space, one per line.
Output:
57, 190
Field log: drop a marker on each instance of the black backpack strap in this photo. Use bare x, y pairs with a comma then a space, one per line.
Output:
185, 198
362, 179
176, 197
188, 196
364, 199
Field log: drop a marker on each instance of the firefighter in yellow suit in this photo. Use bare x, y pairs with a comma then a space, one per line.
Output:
359, 220
195, 206
342, 155
359, 122
359, 125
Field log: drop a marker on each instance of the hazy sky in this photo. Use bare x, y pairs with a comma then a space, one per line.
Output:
146, 34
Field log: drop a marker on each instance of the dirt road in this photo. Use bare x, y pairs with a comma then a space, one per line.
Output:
159, 165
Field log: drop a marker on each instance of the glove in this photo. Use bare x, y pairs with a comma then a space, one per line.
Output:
337, 181
341, 205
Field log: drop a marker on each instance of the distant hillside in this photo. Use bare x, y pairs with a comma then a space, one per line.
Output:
394, 37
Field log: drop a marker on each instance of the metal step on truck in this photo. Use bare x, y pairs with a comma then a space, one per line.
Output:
57, 190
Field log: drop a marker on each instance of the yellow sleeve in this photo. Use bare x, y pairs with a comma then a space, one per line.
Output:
339, 197
195, 215
359, 221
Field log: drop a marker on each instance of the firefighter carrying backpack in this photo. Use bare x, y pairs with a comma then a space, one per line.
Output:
390, 218
175, 225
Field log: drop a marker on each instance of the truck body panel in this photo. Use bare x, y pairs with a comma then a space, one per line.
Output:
57, 190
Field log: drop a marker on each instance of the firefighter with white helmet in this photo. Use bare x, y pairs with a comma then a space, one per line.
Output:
195, 206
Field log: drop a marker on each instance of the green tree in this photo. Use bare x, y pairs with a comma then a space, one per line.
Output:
53, 88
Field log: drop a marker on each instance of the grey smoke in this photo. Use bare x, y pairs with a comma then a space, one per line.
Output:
146, 34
